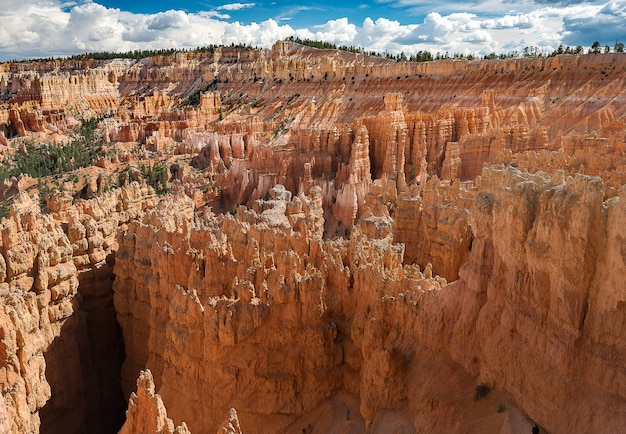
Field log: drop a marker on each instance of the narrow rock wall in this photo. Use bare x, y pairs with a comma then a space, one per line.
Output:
432, 221
62, 346
544, 278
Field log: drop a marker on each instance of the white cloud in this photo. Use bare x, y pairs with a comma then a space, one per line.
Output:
43, 28
339, 31
214, 14
604, 24
544, 28
30, 26
46, 29
508, 22
379, 35
263, 34
235, 6
167, 20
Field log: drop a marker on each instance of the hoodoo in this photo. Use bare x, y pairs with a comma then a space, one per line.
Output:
302, 240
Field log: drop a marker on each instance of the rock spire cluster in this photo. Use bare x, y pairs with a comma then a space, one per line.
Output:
298, 240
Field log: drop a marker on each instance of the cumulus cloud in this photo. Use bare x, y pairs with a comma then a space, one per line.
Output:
508, 22
381, 35
167, 20
263, 34
235, 6
339, 31
43, 28
28, 26
52, 28
606, 25
543, 28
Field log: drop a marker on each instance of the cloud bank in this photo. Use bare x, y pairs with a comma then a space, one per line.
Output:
39, 28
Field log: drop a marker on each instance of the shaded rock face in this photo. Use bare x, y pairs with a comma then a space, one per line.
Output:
530, 313
62, 346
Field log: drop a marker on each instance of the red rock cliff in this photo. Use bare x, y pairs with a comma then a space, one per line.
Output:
353, 183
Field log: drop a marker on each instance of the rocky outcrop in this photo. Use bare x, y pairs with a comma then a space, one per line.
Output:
231, 424
39, 287
146, 412
357, 252
540, 296
530, 313
266, 115
433, 224
240, 284
61, 344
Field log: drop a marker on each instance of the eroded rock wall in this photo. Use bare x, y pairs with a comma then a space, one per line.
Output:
62, 346
536, 310
39, 285
542, 283
432, 221
245, 304
298, 104
263, 310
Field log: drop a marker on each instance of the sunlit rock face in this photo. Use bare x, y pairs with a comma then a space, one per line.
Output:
351, 244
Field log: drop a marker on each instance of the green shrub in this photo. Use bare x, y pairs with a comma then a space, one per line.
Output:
481, 391
45, 159
155, 176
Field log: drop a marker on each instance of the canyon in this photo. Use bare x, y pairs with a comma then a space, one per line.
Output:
348, 243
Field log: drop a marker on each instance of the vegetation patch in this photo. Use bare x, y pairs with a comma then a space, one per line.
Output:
155, 176
39, 161
481, 391
193, 99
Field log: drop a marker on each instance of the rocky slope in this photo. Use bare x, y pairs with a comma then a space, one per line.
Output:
351, 244
60, 341
267, 115
535, 312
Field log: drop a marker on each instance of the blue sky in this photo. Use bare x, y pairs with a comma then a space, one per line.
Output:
299, 15
44, 28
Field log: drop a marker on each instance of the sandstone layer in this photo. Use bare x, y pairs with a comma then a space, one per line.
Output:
60, 337
338, 251
534, 312
295, 114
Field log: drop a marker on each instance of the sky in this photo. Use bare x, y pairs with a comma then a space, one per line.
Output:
55, 28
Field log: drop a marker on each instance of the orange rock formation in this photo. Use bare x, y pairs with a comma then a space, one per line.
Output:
146, 412
361, 264
58, 320
525, 302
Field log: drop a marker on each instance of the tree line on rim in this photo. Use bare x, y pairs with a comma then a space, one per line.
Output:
420, 56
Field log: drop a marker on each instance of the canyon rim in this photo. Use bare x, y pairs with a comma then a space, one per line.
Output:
302, 240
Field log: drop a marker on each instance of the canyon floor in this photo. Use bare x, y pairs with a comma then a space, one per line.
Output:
299, 240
